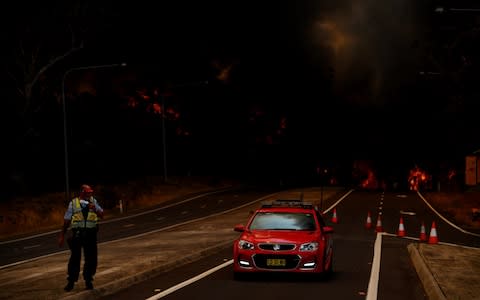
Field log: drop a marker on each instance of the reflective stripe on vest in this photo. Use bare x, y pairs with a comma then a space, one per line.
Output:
78, 220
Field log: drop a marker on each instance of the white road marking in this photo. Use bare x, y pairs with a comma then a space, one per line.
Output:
375, 272
445, 219
410, 213
417, 239
32, 246
126, 217
108, 271
145, 233
225, 264
338, 201
33, 275
190, 281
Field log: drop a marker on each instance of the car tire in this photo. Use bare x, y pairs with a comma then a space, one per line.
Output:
328, 273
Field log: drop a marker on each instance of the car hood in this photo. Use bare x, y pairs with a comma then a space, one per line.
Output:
278, 236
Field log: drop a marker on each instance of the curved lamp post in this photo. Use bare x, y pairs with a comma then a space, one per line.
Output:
65, 140
164, 140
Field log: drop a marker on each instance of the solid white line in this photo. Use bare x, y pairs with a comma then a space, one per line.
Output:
149, 232
190, 221
190, 281
167, 206
338, 201
375, 272
32, 246
123, 218
445, 219
153, 231
32, 259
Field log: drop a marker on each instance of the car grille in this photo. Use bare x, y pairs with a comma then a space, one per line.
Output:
291, 261
277, 247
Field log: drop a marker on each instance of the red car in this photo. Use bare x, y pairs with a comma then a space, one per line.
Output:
284, 236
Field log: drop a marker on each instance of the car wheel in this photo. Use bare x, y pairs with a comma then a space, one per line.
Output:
328, 273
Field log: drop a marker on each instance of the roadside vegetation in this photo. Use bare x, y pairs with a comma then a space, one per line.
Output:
22, 216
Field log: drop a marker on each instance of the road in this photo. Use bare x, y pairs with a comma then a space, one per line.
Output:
354, 256
173, 212
192, 259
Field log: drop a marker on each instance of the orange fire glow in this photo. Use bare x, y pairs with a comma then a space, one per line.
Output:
157, 108
417, 178
365, 171
224, 70
371, 181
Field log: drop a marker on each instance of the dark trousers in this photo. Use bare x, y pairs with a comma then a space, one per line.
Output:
85, 239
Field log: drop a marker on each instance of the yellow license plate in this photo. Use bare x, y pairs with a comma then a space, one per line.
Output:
276, 262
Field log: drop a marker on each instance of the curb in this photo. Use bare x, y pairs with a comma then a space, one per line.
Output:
430, 285
122, 283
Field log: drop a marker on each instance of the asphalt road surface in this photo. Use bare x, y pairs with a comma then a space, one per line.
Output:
368, 265
169, 213
355, 253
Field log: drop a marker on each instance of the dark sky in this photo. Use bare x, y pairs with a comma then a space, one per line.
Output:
346, 74
351, 64
344, 69
367, 48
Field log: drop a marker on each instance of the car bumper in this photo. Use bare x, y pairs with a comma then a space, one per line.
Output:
296, 262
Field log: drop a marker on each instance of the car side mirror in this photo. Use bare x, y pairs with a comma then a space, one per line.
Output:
327, 229
239, 228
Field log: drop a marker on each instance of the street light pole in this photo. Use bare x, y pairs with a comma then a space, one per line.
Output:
164, 142
64, 110
164, 116
322, 183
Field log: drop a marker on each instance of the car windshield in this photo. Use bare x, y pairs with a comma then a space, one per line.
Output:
283, 221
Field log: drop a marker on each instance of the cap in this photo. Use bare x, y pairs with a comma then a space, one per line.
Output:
86, 189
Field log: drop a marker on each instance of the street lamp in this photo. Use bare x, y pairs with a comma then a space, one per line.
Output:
65, 140
322, 178
164, 115
164, 141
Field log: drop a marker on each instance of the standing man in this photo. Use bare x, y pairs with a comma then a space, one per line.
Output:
82, 216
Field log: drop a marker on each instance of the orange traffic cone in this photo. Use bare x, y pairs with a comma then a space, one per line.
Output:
423, 234
433, 238
334, 217
368, 223
401, 228
379, 227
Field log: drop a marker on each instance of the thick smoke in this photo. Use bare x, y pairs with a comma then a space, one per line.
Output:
369, 45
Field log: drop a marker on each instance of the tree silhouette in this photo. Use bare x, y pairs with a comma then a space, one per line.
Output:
39, 45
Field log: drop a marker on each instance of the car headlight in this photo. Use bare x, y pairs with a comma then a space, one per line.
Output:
312, 246
245, 245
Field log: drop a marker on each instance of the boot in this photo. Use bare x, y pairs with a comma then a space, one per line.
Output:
69, 286
88, 285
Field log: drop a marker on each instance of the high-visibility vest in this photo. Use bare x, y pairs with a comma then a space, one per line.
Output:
78, 220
